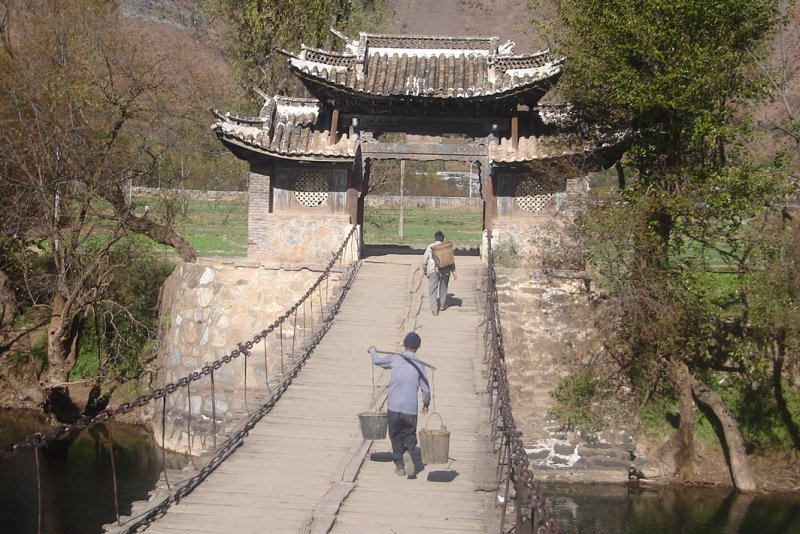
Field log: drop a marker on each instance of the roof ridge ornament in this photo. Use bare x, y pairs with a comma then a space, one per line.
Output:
341, 36
507, 48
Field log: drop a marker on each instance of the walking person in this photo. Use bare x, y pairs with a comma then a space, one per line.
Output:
406, 378
438, 276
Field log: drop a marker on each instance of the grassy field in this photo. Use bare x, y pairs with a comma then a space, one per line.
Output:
219, 227
216, 228
462, 227
213, 227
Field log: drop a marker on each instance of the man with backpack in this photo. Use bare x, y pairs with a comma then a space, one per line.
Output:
438, 268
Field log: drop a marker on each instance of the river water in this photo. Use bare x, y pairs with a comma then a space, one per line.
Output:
77, 492
612, 509
76, 478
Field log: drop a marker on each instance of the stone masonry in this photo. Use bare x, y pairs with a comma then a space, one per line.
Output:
207, 309
297, 238
548, 332
544, 239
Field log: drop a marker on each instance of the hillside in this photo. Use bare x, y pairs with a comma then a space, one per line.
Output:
507, 19
179, 31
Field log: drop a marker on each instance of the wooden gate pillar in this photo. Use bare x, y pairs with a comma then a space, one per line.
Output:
488, 194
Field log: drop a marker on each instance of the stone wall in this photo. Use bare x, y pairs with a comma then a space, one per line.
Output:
207, 309
545, 239
548, 332
299, 238
536, 242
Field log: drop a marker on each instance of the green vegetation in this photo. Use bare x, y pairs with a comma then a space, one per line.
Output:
506, 254
120, 335
462, 227
756, 409
257, 28
702, 280
212, 227
577, 401
219, 227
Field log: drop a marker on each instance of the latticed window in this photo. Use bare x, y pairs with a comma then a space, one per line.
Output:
311, 189
532, 195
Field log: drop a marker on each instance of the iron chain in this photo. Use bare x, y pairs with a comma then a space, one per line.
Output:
38, 440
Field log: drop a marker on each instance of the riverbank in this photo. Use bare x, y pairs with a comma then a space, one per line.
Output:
549, 334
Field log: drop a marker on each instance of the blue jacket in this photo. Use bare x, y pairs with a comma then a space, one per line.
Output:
404, 382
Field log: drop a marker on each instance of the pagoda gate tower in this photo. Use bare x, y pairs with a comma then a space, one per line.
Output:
420, 98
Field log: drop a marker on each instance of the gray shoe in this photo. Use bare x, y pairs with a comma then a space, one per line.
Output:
408, 463
435, 312
399, 471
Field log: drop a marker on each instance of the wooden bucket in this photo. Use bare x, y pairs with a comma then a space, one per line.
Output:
373, 424
435, 444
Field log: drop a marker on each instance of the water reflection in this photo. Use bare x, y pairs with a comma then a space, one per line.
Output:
76, 476
77, 492
607, 509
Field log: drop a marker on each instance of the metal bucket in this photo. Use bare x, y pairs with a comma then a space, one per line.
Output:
373, 424
435, 444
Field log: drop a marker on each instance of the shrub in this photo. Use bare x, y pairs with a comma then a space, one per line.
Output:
577, 401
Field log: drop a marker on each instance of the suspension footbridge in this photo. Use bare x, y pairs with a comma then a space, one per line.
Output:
299, 463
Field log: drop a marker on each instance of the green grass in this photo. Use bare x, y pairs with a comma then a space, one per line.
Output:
462, 227
219, 227
212, 227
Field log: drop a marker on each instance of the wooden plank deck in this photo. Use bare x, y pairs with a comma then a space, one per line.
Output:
304, 467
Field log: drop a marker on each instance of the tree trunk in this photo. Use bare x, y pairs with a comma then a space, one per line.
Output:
63, 334
7, 305
155, 231
737, 456
737, 512
684, 455
58, 341
620, 175
777, 389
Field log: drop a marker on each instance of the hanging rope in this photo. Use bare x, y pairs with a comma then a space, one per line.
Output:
113, 472
163, 437
38, 491
266, 367
189, 423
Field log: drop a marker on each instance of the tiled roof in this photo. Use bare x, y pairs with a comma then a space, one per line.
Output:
426, 67
295, 128
286, 127
560, 135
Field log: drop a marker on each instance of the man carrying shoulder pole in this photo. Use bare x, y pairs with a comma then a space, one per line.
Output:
407, 377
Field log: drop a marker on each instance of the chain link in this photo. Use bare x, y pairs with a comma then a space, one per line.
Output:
38, 440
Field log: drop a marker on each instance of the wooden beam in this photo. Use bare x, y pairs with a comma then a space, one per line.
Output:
417, 151
334, 132
514, 131
489, 198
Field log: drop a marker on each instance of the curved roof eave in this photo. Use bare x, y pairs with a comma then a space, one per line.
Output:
233, 141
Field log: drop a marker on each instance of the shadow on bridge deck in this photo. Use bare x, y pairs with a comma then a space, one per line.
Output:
369, 251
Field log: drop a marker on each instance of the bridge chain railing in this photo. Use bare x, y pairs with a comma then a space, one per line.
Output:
244, 348
513, 467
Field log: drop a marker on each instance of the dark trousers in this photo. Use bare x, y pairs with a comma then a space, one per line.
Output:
402, 434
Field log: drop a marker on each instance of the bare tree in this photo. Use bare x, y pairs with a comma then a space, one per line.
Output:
83, 117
